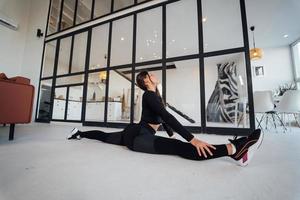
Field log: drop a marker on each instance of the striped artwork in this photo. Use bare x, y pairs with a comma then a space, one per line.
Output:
221, 104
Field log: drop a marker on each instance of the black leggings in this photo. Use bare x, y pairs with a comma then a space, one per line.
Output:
141, 138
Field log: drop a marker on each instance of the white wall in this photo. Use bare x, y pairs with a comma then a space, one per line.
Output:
13, 42
21, 51
278, 69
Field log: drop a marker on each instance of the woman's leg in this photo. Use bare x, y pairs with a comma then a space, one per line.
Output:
149, 143
186, 150
111, 138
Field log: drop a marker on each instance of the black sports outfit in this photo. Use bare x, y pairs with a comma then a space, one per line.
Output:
141, 137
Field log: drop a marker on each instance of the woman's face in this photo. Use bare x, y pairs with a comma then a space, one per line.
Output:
151, 80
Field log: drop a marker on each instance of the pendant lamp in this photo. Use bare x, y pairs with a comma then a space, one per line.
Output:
255, 53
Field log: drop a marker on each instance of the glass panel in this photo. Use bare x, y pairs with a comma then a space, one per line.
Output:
79, 51
70, 80
54, 16
121, 47
156, 70
149, 35
64, 56
84, 8
182, 28
184, 76
75, 103
119, 97
59, 105
222, 25
99, 46
95, 102
68, 14
44, 100
296, 57
49, 58
226, 91
102, 7
119, 4
298, 86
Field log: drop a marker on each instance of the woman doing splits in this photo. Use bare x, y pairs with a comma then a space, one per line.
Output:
141, 137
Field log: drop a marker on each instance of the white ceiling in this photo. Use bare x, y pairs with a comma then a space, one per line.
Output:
273, 19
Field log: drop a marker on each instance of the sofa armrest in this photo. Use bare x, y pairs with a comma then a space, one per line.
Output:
16, 102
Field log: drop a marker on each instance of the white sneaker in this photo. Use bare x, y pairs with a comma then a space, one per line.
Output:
74, 134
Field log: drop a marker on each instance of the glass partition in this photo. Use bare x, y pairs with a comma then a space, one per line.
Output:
44, 102
67, 14
182, 28
149, 35
75, 103
49, 58
121, 46
54, 16
84, 8
59, 104
68, 80
95, 101
102, 7
79, 51
99, 47
119, 4
222, 25
183, 91
119, 95
64, 56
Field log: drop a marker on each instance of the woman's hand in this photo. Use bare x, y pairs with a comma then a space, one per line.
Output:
202, 147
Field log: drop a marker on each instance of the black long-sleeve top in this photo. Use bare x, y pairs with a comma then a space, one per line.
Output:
154, 112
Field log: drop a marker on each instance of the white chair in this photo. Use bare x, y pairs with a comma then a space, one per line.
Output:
290, 104
264, 104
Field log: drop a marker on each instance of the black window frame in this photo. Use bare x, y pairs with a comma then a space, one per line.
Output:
201, 56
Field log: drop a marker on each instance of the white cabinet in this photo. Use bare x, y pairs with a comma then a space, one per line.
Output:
95, 111
74, 110
114, 112
58, 109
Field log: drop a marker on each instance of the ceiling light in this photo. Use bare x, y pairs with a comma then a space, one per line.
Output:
204, 19
173, 40
141, 58
286, 36
122, 38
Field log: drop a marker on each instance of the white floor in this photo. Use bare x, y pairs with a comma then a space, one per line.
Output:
40, 164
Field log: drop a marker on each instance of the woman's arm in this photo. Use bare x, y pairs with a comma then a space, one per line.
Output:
168, 129
152, 100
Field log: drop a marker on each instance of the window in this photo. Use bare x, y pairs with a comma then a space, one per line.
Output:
95, 100
182, 28
44, 100
149, 35
84, 8
49, 58
68, 14
64, 56
222, 25
121, 46
119, 4
79, 51
54, 16
183, 91
102, 7
99, 47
